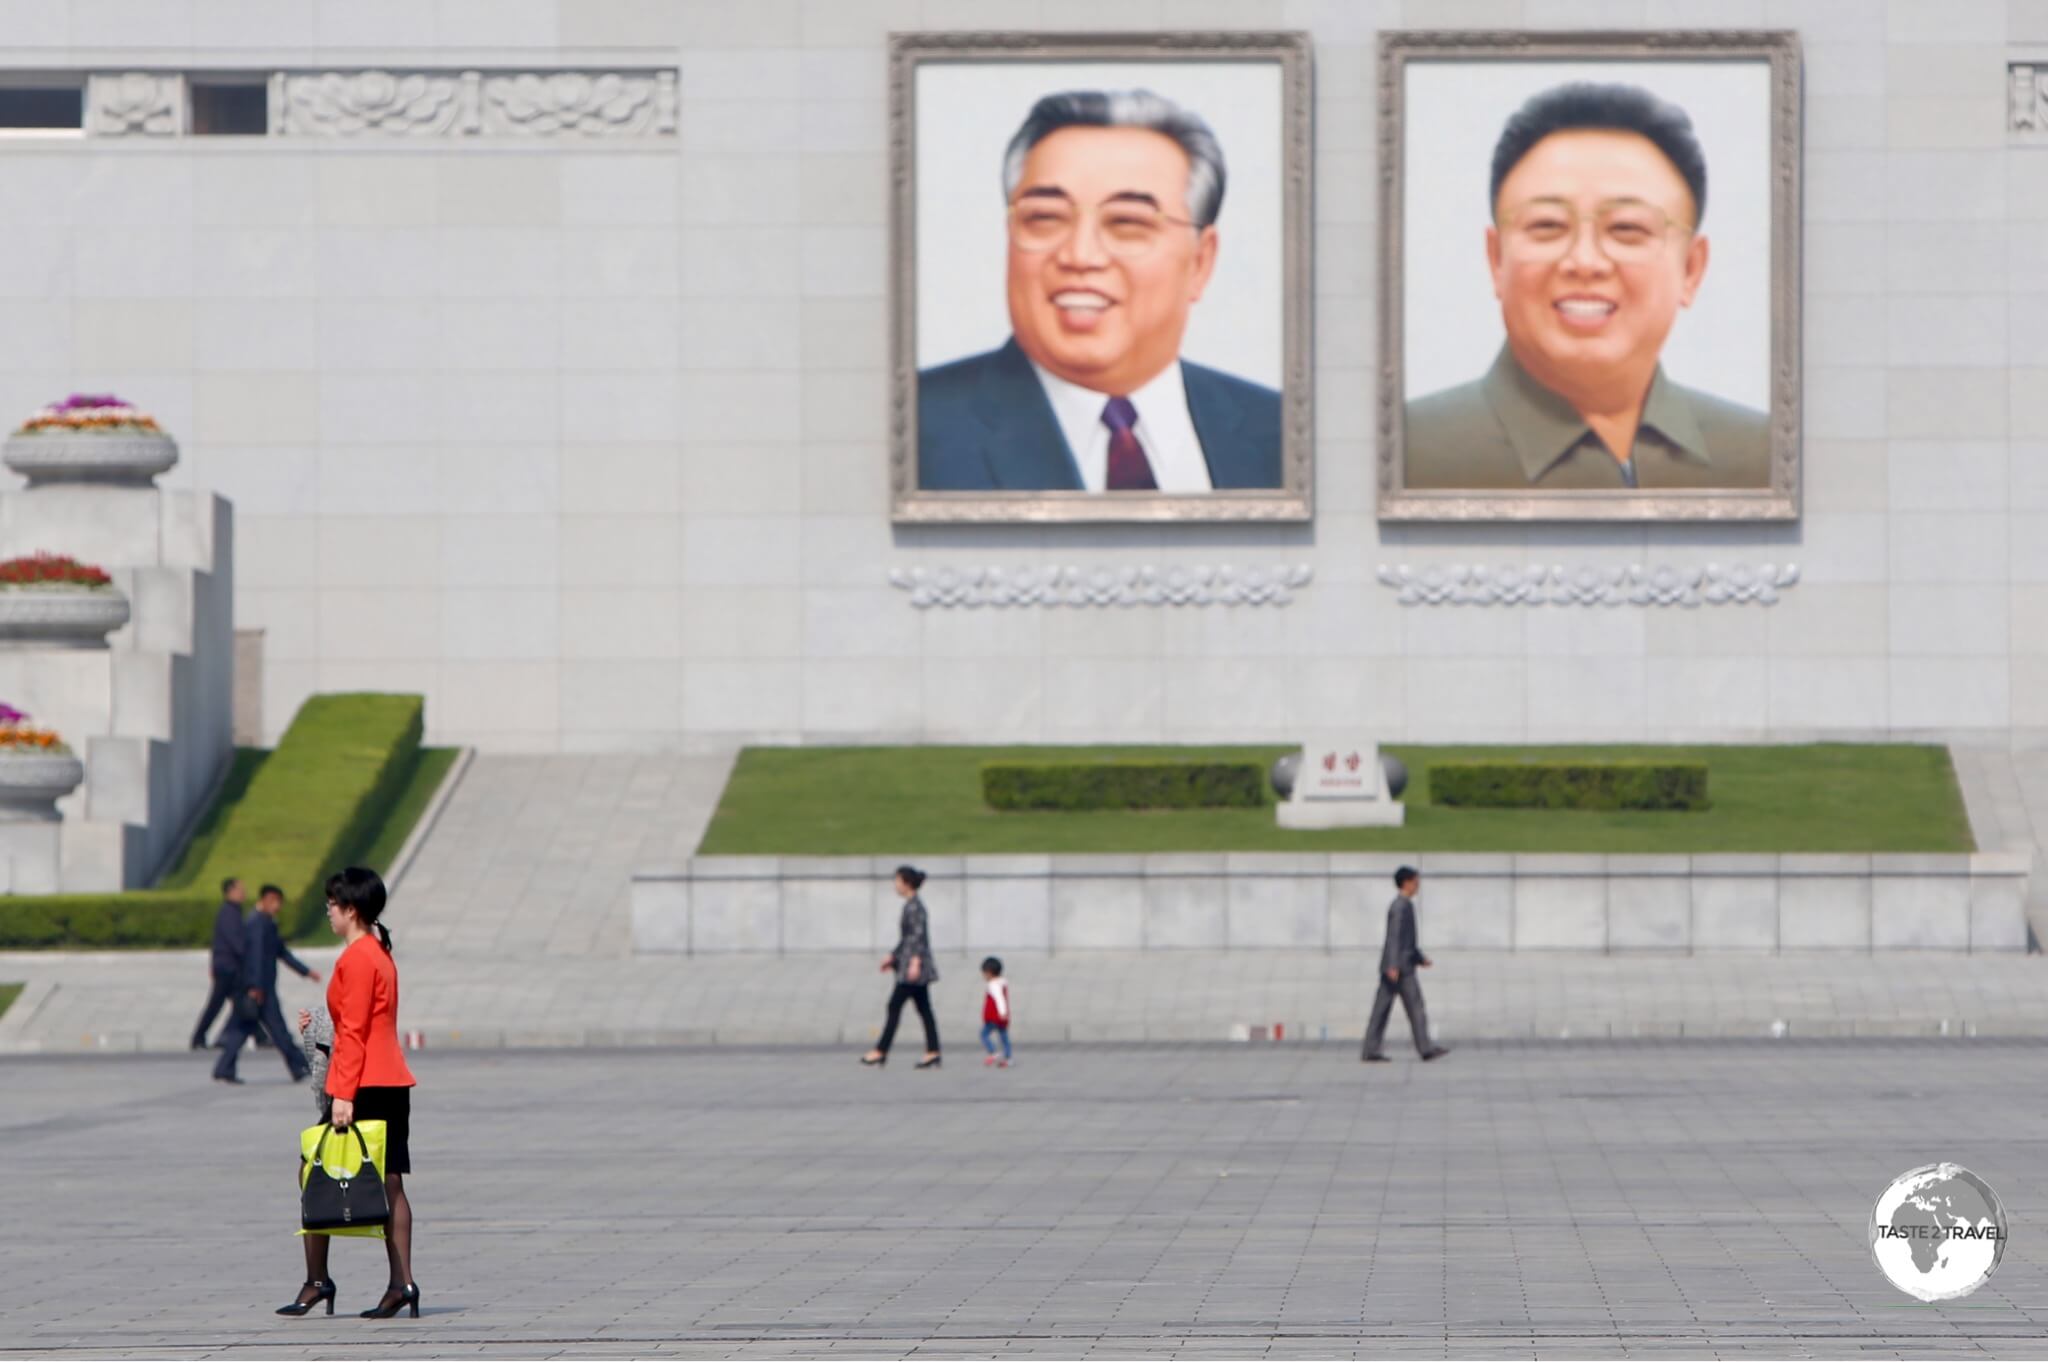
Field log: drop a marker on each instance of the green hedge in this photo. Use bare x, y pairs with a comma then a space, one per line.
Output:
318, 800
1569, 785
1072, 786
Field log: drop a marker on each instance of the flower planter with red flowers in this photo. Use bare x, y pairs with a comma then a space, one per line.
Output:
36, 770
53, 601
90, 437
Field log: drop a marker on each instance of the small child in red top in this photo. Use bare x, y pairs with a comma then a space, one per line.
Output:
995, 1013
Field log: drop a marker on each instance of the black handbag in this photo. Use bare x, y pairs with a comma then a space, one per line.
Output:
337, 1201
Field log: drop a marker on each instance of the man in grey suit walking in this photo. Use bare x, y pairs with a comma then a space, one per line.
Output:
1400, 957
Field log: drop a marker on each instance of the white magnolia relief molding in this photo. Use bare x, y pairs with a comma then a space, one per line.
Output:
387, 103
135, 104
1102, 586
577, 103
1712, 584
439, 104
2027, 100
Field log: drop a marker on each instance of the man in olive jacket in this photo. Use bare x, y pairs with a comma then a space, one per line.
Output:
1400, 957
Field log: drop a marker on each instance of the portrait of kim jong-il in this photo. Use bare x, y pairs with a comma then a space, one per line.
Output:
1113, 205
1595, 246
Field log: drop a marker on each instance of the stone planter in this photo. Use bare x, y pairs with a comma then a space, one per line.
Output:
61, 617
31, 783
130, 458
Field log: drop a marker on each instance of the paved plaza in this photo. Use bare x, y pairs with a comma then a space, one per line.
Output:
116, 1003
530, 859
660, 1156
1622, 1199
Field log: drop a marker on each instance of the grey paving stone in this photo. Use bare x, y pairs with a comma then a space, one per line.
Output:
477, 996
1631, 1199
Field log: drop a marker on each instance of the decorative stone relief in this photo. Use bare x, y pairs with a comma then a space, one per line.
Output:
387, 103
1713, 584
135, 104
1082, 588
2027, 101
435, 104
576, 103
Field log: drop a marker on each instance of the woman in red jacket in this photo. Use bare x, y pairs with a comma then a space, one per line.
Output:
367, 1078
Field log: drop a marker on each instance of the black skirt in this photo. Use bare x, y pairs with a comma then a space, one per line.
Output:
392, 1106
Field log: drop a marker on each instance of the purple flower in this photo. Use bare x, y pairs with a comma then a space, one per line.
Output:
77, 400
10, 715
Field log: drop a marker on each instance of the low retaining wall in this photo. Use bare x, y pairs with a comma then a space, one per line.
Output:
1769, 904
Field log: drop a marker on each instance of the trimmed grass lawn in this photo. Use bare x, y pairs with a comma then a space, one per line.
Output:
8, 993
889, 801
427, 773
248, 761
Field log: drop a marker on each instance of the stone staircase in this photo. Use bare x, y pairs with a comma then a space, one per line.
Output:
2006, 793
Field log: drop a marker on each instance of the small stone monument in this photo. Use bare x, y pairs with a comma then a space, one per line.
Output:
1340, 785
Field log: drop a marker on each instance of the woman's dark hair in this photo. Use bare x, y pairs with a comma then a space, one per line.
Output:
1404, 875
911, 876
992, 966
361, 891
1605, 108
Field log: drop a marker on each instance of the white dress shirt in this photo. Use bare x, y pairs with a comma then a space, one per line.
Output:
1165, 431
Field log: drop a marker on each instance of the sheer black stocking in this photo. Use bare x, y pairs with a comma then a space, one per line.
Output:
397, 1248
316, 1268
397, 1240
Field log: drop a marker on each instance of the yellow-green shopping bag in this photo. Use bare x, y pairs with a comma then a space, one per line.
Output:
341, 1180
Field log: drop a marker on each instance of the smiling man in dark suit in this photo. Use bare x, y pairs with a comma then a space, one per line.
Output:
1113, 199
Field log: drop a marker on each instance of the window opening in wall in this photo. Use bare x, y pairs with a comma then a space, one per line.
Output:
230, 108
42, 107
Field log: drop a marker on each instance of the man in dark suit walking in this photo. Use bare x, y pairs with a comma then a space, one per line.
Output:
262, 948
226, 962
1400, 957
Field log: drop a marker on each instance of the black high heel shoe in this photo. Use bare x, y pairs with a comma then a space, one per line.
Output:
874, 1062
931, 1063
322, 1291
394, 1301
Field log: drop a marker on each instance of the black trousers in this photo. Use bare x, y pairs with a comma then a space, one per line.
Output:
269, 1018
1410, 991
921, 997
223, 989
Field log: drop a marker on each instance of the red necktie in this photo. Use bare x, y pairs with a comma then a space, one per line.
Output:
1129, 471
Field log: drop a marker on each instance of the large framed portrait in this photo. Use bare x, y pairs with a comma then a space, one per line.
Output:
1100, 269
1589, 256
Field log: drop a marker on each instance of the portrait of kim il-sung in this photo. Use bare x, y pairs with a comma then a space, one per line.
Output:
1591, 279
1098, 271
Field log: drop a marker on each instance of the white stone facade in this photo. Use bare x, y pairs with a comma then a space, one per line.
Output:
584, 436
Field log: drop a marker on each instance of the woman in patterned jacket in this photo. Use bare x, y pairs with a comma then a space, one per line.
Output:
915, 973
316, 1042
